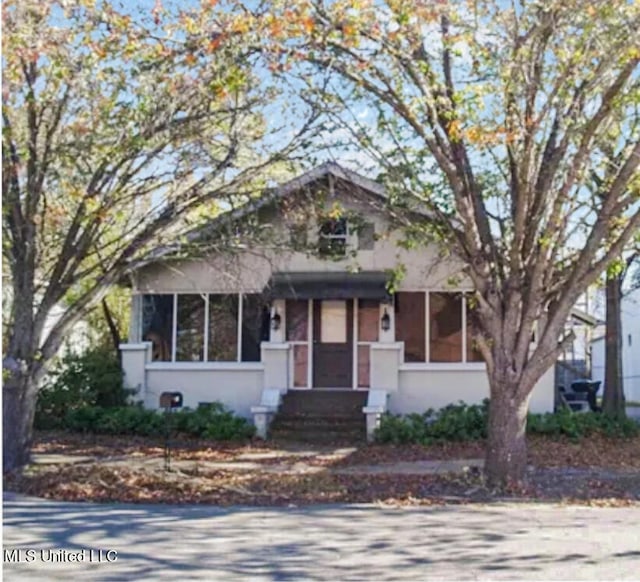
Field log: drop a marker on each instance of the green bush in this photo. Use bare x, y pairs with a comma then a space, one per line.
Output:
565, 422
400, 430
455, 422
93, 378
213, 422
462, 422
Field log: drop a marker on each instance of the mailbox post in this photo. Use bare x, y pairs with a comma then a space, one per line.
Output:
170, 401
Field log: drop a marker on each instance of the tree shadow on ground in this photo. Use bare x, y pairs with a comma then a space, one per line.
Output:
320, 542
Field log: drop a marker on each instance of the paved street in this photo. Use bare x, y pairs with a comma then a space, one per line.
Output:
528, 542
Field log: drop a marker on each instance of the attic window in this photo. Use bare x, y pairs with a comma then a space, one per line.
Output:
333, 237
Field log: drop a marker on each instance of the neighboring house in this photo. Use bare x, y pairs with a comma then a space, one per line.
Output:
630, 315
575, 361
246, 327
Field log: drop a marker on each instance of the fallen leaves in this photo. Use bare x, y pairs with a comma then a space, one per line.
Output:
599, 472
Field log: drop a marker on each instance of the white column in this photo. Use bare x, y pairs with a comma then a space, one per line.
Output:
135, 324
385, 362
275, 359
134, 362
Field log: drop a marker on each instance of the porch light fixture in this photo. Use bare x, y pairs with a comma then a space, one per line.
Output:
275, 321
385, 321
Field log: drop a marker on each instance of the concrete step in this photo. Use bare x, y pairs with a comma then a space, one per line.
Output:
316, 420
318, 436
330, 403
318, 425
321, 416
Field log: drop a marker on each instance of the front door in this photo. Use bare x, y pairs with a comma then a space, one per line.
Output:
333, 343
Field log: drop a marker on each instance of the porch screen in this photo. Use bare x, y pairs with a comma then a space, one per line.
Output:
449, 340
157, 325
223, 328
190, 332
445, 330
255, 326
410, 324
206, 327
473, 354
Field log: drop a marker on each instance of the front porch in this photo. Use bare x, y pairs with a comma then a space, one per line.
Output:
313, 334
318, 351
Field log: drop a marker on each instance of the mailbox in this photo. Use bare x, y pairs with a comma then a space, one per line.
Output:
171, 400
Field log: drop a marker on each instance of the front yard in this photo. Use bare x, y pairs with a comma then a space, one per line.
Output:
595, 470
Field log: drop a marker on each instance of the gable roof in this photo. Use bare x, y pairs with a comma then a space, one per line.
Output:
269, 196
328, 169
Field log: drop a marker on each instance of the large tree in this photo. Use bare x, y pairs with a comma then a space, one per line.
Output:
119, 128
613, 397
490, 114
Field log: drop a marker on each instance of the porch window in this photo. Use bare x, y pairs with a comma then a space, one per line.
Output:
445, 327
438, 338
410, 325
190, 332
473, 353
205, 327
223, 328
157, 325
255, 326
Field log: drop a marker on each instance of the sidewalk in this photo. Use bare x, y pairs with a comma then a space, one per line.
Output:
278, 462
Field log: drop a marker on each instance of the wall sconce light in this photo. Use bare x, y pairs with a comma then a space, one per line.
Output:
276, 320
385, 321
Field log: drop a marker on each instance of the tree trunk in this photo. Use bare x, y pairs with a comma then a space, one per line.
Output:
19, 394
113, 329
506, 457
613, 401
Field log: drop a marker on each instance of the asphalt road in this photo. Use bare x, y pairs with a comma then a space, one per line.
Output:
496, 542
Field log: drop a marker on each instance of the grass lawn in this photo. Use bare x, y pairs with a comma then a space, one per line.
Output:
596, 471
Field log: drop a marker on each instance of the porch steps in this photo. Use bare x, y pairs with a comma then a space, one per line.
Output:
321, 416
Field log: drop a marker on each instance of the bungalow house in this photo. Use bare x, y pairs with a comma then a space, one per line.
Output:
309, 311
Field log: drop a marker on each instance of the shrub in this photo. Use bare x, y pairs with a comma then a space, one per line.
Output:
565, 422
400, 430
212, 422
455, 422
462, 422
93, 378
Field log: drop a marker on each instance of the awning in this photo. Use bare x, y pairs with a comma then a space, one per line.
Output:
329, 285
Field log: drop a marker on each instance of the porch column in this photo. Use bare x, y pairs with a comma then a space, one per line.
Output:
275, 359
135, 323
134, 361
385, 362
